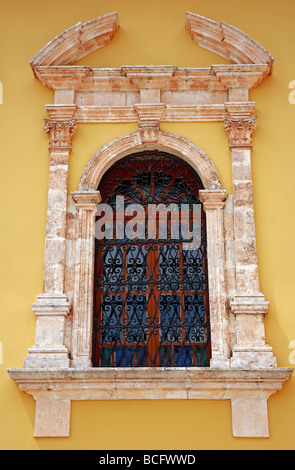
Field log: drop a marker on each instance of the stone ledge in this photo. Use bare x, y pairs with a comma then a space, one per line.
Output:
145, 383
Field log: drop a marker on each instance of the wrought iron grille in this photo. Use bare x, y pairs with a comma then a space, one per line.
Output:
151, 303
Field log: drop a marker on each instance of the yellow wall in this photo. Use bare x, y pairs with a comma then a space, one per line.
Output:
152, 32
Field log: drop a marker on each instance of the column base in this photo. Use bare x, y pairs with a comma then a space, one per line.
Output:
47, 358
220, 363
81, 363
253, 358
49, 352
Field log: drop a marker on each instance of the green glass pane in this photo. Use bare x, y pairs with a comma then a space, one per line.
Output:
106, 357
201, 356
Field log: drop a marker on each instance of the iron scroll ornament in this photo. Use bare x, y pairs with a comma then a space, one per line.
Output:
151, 299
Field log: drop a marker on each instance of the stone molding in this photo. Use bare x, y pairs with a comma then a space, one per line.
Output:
77, 42
227, 41
86, 200
58, 367
131, 143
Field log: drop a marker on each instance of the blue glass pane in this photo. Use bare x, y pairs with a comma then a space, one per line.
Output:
113, 268
170, 318
136, 312
165, 356
111, 324
141, 359
195, 318
169, 267
124, 356
183, 356
137, 268
194, 275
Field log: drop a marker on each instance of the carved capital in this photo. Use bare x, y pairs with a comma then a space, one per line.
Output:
61, 133
213, 199
86, 200
240, 129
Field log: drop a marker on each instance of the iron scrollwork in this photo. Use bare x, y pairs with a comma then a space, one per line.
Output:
151, 302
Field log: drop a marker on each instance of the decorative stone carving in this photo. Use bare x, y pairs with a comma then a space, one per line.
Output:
240, 130
61, 133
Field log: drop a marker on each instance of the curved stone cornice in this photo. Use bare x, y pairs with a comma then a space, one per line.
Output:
227, 41
77, 42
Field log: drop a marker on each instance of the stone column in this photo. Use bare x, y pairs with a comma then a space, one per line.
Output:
52, 306
214, 203
86, 203
249, 305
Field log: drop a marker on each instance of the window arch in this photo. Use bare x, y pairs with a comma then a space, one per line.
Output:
151, 299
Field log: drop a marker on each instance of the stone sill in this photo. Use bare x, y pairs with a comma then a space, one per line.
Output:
55, 389
147, 383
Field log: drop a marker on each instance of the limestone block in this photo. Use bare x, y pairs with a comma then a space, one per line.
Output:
52, 418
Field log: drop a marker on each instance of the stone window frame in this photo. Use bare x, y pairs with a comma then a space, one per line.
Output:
58, 368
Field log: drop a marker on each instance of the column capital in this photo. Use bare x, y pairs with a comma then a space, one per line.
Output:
61, 133
213, 199
86, 200
240, 129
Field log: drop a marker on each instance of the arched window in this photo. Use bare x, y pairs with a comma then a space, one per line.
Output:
151, 302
